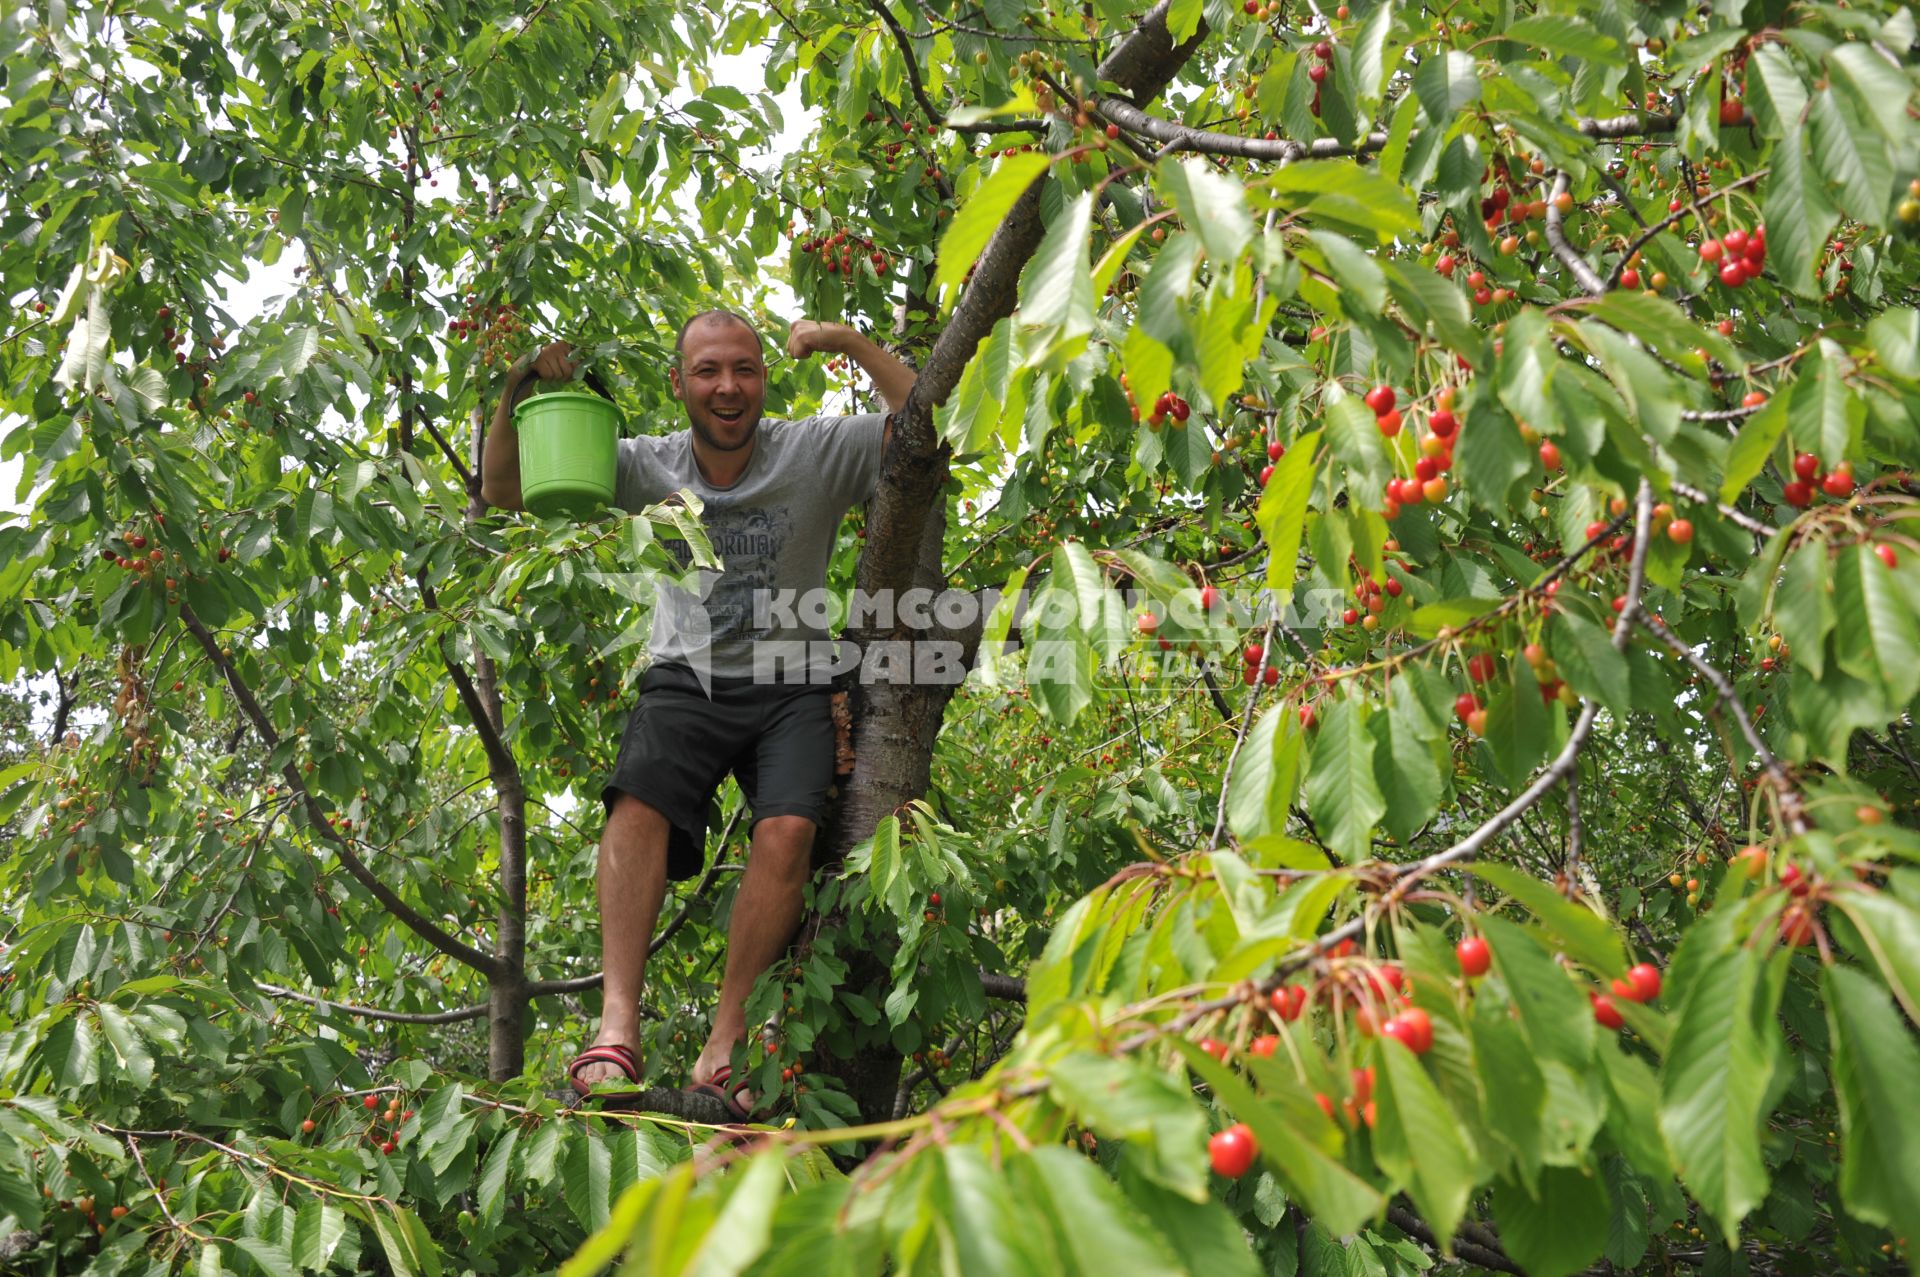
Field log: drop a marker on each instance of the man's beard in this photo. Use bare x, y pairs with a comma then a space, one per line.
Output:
706, 436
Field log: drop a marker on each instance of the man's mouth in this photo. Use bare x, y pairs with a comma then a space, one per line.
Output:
729, 414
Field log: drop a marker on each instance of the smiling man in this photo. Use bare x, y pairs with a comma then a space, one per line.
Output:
773, 492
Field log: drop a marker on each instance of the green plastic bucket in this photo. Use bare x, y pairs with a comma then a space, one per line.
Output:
569, 441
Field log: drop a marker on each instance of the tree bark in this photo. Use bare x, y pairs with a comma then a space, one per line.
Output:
895, 726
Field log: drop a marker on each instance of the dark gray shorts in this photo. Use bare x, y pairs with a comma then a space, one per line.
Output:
777, 740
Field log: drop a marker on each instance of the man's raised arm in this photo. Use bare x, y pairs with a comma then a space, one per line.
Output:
891, 376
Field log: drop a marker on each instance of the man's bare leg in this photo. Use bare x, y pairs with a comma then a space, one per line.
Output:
766, 912
632, 884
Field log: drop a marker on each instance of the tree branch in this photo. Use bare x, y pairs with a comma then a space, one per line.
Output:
419, 923
1588, 278
933, 113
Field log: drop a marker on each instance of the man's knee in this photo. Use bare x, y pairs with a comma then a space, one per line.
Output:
785, 841
634, 828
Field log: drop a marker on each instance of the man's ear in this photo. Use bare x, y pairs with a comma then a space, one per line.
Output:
673, 381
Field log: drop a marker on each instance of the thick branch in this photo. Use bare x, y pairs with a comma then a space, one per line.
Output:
420, 924
1589, 279
473, 1012
1472, 1252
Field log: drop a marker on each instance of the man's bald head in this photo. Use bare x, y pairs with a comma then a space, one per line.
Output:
710, 318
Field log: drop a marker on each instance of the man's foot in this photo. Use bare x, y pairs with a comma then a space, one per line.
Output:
607, 1061
738, 1099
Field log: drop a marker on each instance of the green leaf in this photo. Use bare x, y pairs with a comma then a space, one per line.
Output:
1875, 1062
317, 1231
1265, 775
1565, 34
739, 1234
1558, 1229
1356, 270
1342, 793
493, 1175
1879, 92
1183, 18
1714, 1083
1665, 327
1129, 1100
1372, 62
1890, 928
1825, 416
1850, 156
1490, 457
587, 1172
1800, 218
1212, 205
1517, 725
1356, 195
975, 222
1056, 290
1583, 934
1587, 659
1410, 763
1101, 1229
405, 1241
1446, 83
1420, 1141
1894, 336
1776, 95
1553, 1013
1758, 437
1282, 514
1098, 607
1803, 608
1354, 435
1880, 642
1431, 301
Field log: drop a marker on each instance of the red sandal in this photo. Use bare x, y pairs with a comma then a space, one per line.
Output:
622, 1057
716, 1086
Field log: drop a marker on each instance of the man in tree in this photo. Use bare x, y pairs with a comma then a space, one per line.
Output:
774, 493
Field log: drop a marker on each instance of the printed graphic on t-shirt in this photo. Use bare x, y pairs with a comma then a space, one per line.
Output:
748, 540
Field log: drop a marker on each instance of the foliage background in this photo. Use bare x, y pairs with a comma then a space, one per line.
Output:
322, 849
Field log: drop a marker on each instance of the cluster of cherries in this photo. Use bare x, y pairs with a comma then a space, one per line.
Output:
498, 326
1428, 482
1836, 483
849, 248
1740, 255
1372, 596
1250, 659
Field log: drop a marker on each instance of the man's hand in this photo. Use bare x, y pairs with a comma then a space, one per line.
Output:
555, 363
811, 337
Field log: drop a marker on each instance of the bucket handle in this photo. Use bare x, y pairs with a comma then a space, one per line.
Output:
590, 377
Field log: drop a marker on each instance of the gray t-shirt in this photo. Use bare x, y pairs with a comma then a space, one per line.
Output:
774, 530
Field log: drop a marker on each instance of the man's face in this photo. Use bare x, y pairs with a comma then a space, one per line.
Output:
722, 379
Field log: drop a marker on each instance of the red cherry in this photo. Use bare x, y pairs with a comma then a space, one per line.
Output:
1735, 242
1253, 654
1796, 493
1214, 1047
1710, 250
1550, 455
933, 898
1445, 265
1476, 279
371, 1102
1264, 1046
1272, 675
1209, 598
1389, 422
1412, 1028
1463, 706
1645, 979
1443, 423
1323, 50
1838, 483
1629, 278
1287, 1001
1232, 1151
1481, 667
1734, 273
1806, 466
1606, 1012
1732, 112
1276, 450
1381, 399
307, 1126
1474, 956
1266, 473
1887, 555
1680, 531
1394, 587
